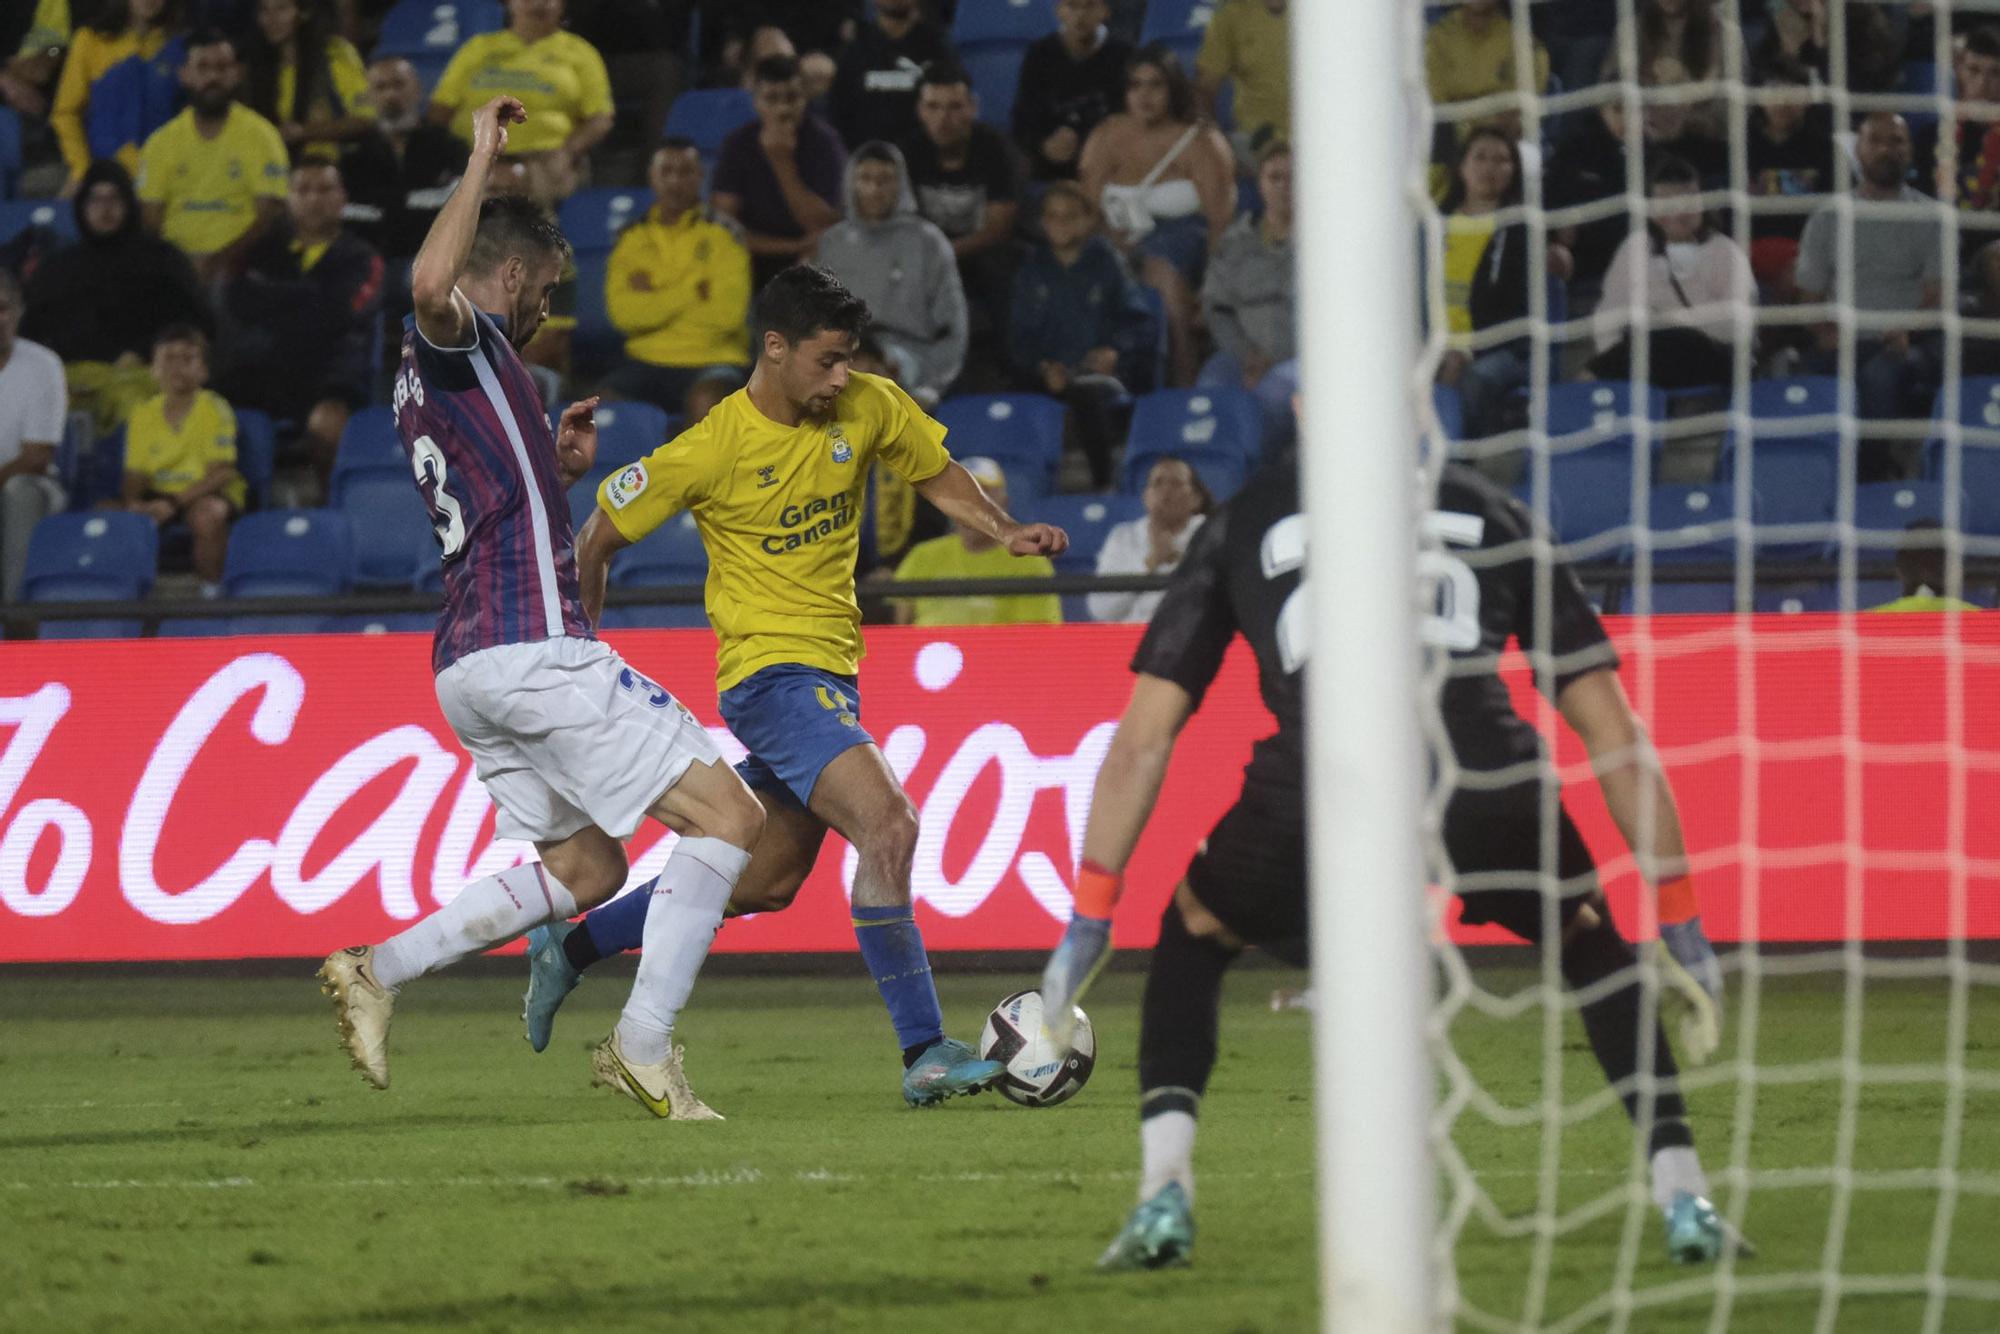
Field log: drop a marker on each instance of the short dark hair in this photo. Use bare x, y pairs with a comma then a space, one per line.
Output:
1785, 71
11, 286
1674, 170
945, 73
1983, 41
804, 300
181, 333
513, 225
315, 164
204, 37
1180, 88
679, 143
875, 150
775, 69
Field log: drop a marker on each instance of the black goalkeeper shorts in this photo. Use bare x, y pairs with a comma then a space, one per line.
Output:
1251, 870
1494, 843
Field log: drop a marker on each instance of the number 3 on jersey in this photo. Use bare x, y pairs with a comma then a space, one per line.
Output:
1450, 589
446, 517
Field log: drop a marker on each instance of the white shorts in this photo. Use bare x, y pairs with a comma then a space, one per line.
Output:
565, 735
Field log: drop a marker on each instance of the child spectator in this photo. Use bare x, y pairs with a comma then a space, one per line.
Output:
180, 452
901, 265
305, 78
119, 83
1070, 80
1075, 328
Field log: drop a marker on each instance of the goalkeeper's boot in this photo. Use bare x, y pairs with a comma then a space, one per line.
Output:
361, 1007
946, 1069
1158, 1235
1695, 1232
550, 978
660, 1088
1073, 966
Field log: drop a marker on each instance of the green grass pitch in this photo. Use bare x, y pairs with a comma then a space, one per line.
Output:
192, 1153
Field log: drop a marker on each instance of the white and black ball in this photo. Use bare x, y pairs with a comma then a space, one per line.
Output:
1038, 1074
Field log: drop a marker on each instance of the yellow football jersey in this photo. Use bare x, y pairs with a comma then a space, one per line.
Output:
173, 457
779, 511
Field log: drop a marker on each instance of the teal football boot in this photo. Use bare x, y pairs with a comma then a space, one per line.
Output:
946, 1069
550, 979
1158, 1235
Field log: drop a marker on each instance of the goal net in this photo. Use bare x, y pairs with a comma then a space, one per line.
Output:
1717, 304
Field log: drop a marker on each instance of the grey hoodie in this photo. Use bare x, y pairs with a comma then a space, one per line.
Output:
904, 269
1249, 291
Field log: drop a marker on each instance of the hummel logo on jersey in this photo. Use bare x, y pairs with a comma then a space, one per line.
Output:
767, 477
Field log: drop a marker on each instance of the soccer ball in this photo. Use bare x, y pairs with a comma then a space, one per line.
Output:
1038, 1074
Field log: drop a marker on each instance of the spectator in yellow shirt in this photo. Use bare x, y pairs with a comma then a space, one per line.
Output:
1469, 53
180, 451
212, 179
559, 77
966, 554
118, 83
677, 287
1920, 565
1247, 42
305, 78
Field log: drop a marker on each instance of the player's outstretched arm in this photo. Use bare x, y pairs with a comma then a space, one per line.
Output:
1641, 802
961, 497
599, 541
443, 316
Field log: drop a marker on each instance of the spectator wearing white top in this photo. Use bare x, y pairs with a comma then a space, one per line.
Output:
1690, 278
33, 403
1177, 504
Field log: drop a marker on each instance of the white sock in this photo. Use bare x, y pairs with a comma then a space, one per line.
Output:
486, 913
681, 922
1676, 1170
1166, 1146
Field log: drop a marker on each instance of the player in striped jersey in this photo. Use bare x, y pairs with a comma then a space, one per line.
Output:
574, 747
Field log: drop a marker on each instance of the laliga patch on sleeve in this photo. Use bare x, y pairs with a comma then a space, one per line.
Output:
625, 486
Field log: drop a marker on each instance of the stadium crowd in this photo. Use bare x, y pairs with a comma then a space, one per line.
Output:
1072, 220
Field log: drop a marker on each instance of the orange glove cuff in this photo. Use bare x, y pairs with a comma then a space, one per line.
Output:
1676, 901
1097, 890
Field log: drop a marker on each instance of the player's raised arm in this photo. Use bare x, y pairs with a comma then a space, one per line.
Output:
1641, 801
443, 316
961, 497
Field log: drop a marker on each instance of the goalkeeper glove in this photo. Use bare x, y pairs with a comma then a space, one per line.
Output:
1693, 976
1072, 967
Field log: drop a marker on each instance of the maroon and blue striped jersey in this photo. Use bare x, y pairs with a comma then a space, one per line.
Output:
484, 456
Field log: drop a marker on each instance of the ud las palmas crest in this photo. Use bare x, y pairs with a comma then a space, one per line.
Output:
842, 451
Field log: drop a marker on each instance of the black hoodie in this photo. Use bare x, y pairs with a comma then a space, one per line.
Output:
110, 293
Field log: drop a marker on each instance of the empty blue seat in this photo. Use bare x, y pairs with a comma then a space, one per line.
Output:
628, 432
368, 446
387, 623
18, 215
391, 530
1590, 494
1684, 598
583, 494
994, 71
1589, 414
1088, 520
1692, 522
1799, 396
1824, 595
1882, 510
1976, 409
592, 219
256, 453
709, 115
91, 629
300, 623
1979, 482
10, 150
990, 38
1180, 24
193, 627
95, 556
1797, 481
596, 340
432, 30
672, 554
1220, 420
288, 553
675, 616
1021, 432
1450, 410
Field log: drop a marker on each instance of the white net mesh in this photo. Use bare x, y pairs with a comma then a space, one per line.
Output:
1778, 430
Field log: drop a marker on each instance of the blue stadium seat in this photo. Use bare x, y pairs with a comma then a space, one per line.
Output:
256, 454
1670, 598
432, 30
1692, 522
1450, 410
288, 553
672, 554
92, 629
1021, 432
629, 431
1882, 510
1220, 421
1087, 520
300, 623
1791, 599
91, 556
1977, 410
1589, 414
10, 151
369, 447
991, 38
994, 70
1180, 24
597, 340
708, 115
1799, 396
592, 219
1979, 479
20, 214
386, 623
391, 529
583, 493
193, 627
1154, 305
1590, 494
677, 616
1920, 79
1796, 481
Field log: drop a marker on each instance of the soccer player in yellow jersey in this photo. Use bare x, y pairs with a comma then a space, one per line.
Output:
775, 476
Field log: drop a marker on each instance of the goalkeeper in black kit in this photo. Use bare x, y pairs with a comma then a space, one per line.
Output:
1247, 882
